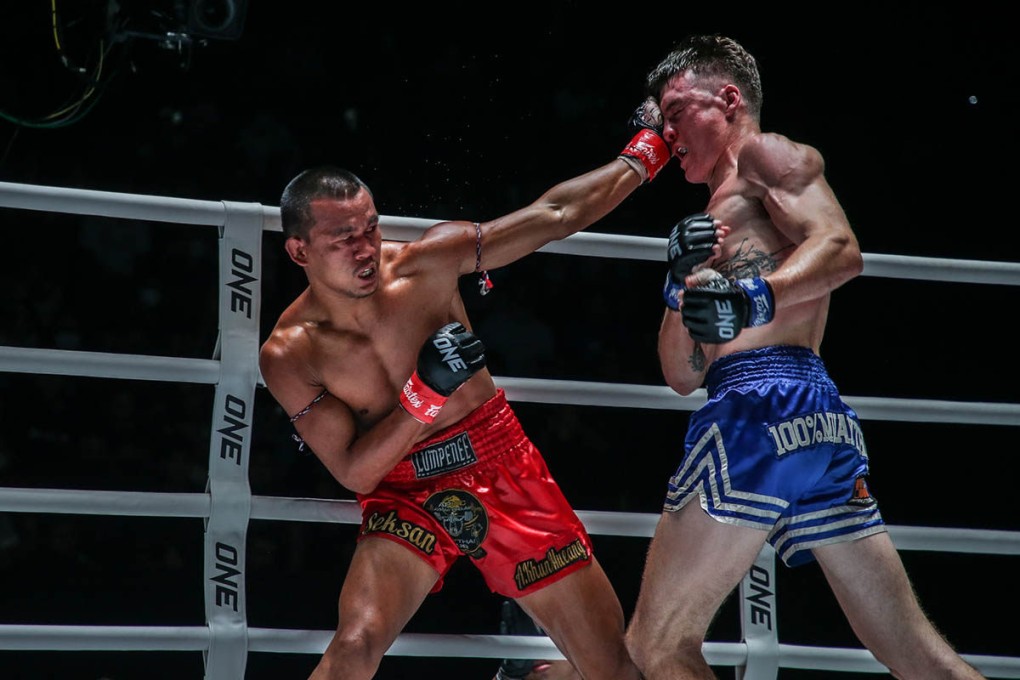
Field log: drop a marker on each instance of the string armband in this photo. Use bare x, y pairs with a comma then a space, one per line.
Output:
484, 282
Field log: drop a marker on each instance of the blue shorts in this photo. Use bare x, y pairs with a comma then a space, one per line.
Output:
776, 449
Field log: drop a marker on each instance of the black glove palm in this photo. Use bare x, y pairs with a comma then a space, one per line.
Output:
690, 244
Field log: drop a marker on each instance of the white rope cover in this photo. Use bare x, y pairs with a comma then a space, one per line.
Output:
227, 505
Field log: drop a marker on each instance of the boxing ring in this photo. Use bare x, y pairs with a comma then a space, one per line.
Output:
228, 506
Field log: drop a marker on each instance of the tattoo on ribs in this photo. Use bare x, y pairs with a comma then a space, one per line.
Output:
748, 262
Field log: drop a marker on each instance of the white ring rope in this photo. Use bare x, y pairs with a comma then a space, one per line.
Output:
283, 508
235, 641
536, 390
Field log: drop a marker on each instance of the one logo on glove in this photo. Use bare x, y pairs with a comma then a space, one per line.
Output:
463, 518
449, 354
444, 456
727, 323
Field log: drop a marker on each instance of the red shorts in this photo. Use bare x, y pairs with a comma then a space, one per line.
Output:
480, 488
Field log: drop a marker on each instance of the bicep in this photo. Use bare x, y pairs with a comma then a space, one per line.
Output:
326, 426
321, 420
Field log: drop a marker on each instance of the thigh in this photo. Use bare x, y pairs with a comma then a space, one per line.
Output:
693, 563
582, 615
385, 585
869, 581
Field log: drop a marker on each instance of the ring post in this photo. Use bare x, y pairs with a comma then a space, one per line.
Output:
758, 620
230, 442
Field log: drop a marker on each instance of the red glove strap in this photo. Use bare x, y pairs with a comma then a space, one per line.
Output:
420, 400
650, 149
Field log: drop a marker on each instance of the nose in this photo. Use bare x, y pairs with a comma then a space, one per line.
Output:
669, 134
366, 249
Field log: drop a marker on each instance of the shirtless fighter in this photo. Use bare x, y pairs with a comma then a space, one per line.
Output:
384, 381
775, 455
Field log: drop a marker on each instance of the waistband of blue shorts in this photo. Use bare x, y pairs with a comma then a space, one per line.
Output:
775, 363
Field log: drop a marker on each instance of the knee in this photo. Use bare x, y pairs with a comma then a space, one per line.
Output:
639, 646
360, 643
651, 652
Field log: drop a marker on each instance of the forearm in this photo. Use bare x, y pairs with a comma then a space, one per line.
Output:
583, 200
817, 266
370, 457
682, 360
565, 209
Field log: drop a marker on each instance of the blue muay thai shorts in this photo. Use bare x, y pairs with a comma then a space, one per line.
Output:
776, 449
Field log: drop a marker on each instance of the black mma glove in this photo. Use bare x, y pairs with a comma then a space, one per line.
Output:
647, 151
448, 358
718, 309
690, 244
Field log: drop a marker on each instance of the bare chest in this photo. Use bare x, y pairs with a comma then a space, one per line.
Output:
754, 247
366, 367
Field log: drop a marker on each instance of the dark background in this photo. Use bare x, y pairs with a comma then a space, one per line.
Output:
471, 111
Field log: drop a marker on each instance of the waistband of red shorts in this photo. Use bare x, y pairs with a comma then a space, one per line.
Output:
492, 428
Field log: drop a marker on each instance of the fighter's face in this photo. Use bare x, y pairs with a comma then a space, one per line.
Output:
343, 245
694, 123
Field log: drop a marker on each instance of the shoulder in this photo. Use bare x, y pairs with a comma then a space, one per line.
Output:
442, 243
289, 343
772, 159
287, 364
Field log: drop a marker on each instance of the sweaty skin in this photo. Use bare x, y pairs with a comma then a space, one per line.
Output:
777, 218
370, 304
356, 332
775, 208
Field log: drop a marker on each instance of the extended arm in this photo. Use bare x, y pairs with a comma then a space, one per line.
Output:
565, 209
577, 203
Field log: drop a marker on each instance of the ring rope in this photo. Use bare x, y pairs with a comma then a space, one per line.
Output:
338, 511
226, 642
536, 390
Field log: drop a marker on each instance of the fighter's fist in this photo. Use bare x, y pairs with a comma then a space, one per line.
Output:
690, 244
716, 310
647, 151
448, 358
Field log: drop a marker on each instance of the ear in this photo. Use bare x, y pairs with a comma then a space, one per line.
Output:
732, 97
296, 249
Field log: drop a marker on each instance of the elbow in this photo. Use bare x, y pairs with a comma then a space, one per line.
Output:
564, 223
681, 382
358, 481
857, 264
360, 484
682, 387
361, 481
852, 258
564, 220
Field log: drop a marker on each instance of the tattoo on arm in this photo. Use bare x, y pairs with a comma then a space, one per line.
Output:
697, 358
